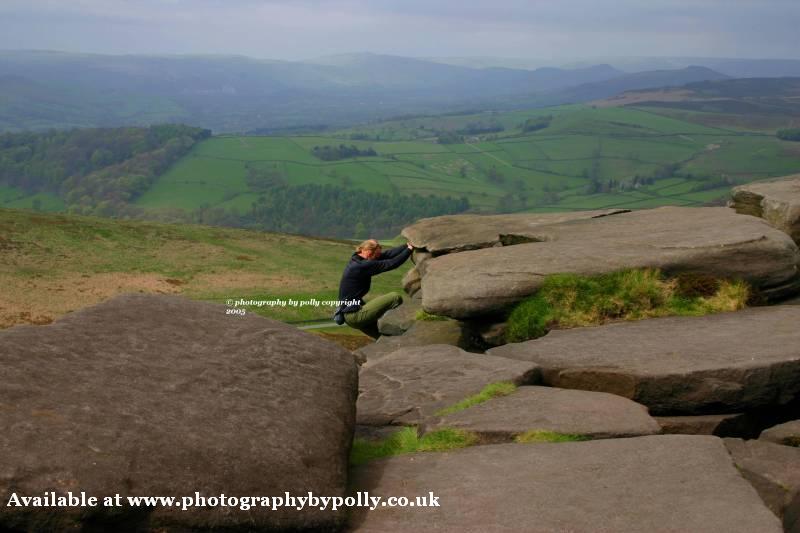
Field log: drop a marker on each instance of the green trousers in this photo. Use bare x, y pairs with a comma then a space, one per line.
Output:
366, 318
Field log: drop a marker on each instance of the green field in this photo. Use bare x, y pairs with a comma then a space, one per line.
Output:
12, 197
507, 170
584, 157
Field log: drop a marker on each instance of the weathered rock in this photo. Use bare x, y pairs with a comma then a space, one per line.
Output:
720, 363
397, 321
421, 333
596, 415
712, 241
375, 350
160, 395
457, 233
412, 281
774, 471
419, 257
787, 434
411, 384
657, 483
776, 201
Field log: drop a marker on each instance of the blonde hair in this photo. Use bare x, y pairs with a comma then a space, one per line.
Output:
368, 245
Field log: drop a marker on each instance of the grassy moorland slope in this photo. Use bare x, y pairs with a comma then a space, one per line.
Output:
52, 264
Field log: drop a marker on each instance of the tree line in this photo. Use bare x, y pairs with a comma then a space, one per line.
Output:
102, 171
536, 123
331, 211
335, 153
322, 210
792, 134
95, 171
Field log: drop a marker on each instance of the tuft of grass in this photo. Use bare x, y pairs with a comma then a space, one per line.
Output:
539, 435
731, 296
424, 315
407, 440
570, 300
492, 390
446, 439
792, 440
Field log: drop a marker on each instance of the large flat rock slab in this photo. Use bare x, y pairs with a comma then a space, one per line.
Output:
712, 241
409, 385
787, 434
458, 233
148, 395
774, 471
660, 483
721, 363
776, 201
595, 415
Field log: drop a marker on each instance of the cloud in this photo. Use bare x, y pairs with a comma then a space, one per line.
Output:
306, 28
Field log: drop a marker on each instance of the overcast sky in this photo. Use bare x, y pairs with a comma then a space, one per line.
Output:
299, 29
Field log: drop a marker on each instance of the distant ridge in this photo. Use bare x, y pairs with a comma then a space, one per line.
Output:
237, 94
735, 67
642, 80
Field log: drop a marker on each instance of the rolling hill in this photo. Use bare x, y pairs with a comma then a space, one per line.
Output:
41, 90
733, 67
632, 158
760, 104
673, 146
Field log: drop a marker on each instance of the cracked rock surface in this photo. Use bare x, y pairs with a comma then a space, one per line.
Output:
712, 241
722, 363
662, 483
409, 385
148, 395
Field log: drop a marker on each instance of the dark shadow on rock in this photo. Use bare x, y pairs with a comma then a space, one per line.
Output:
746, 425
129, 520
357, 482
424, 333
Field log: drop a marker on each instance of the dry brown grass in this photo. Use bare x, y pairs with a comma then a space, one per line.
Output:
242, 280
53, 264
730, 296
349, 342
42, 300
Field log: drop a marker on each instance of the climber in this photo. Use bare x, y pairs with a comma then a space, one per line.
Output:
367, 261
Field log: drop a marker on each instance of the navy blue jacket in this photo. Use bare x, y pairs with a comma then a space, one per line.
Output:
357, 276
